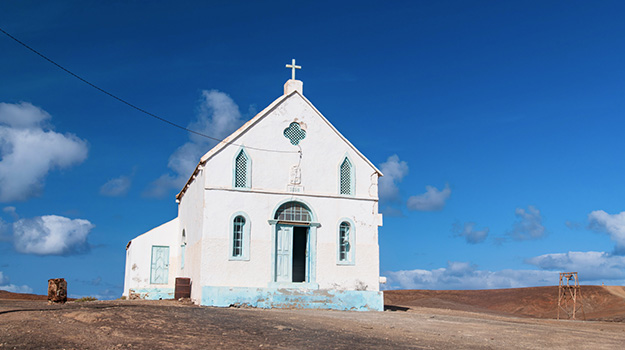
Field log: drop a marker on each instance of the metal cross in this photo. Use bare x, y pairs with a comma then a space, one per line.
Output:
293, 68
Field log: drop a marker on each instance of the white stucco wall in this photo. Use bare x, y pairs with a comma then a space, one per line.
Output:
207, 206
323, 150
139, 257
257, 271
322, 153
191, 215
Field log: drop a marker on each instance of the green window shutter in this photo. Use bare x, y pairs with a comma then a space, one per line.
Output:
346, 177
241, 171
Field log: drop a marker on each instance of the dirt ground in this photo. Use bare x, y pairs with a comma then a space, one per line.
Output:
33, 324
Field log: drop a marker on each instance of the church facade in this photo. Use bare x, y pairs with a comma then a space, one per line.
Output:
282, 213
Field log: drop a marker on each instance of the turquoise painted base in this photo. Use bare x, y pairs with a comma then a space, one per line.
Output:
293, 298
153, 293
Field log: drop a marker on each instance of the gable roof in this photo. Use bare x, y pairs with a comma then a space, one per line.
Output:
262, 114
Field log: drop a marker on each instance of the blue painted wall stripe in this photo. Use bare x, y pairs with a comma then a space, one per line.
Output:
153, 293
293, 298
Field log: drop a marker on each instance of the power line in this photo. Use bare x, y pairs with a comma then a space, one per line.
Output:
132, 105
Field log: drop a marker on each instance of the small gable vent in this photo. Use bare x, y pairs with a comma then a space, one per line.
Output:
294, 133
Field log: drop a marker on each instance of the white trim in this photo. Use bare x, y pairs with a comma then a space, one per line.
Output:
299, 194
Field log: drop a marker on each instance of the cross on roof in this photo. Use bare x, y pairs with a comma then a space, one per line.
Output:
293, 68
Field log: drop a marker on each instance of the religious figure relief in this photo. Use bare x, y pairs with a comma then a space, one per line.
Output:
296, 175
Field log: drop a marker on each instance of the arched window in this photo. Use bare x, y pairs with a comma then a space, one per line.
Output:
293, 212
346, 243
242, 169
347, 177
239, 237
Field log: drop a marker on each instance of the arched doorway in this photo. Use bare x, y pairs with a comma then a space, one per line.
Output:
294, 241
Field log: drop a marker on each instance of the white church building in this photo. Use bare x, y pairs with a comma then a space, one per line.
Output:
282, 213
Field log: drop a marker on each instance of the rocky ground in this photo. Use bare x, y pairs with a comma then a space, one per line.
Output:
33, 324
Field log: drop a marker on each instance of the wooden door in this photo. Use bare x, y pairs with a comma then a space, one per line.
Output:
284, 259
160, 265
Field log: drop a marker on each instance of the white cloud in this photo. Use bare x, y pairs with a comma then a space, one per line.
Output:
590, 266
614, 225
5, 285
29, 150
51, 235
391, 211
573, 225
394, 171
5, 230
116, 187
463, 275
529, 224
22, 115
106, 294
16, 289
470, 234
161, 187
431, 200
217, 116
11, 211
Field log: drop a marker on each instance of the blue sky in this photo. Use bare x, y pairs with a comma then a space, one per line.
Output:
498, 126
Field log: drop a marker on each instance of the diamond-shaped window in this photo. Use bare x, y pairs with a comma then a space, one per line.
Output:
294, 133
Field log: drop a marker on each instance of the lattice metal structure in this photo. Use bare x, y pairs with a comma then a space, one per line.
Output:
240, 171
570, 296
346, 177
294, 133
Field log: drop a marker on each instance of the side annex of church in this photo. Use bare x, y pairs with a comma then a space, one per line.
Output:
282, 213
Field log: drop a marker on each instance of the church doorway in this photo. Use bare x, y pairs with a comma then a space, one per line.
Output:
300, 252
292, 258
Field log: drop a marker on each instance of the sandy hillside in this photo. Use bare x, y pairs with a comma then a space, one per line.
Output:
600, 303
21, 296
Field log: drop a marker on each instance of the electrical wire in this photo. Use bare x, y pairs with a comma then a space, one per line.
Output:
132, 105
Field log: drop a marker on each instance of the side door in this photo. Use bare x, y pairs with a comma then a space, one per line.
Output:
284, 252
159, 271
